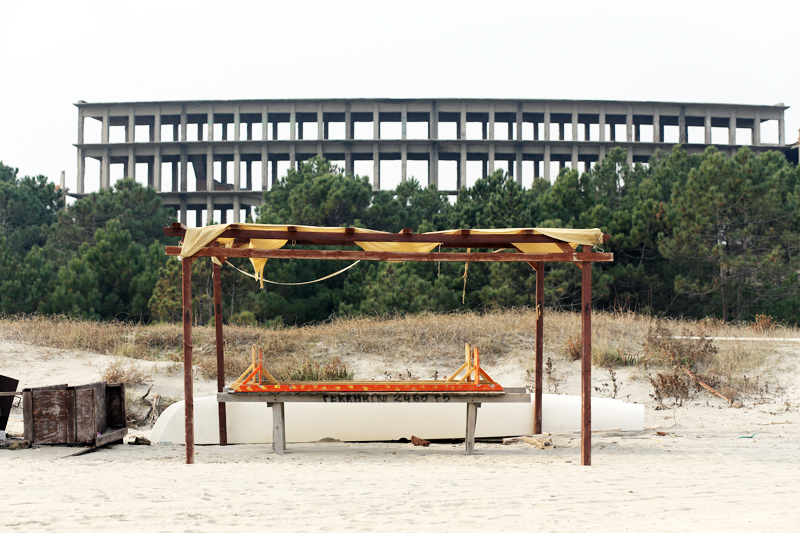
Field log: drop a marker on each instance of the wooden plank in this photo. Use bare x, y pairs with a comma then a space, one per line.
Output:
188, 392
85, 418
539, 350
586, 364
353, 255
101, 404
218, 339
115, 404
459, 240
51, 412
374, 397
27, 415
278, 428
472, 418
112, 435
370, 386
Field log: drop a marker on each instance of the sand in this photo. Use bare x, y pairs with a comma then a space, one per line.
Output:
702, 466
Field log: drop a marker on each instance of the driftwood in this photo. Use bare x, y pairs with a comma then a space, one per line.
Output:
541, 443
155, 409
709, 388
419, 442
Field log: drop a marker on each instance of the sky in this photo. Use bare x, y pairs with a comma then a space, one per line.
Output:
53, 54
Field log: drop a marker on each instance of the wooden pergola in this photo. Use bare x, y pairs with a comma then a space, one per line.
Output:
258, 242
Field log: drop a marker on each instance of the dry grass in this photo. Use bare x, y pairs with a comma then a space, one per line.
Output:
618, 339
119, 371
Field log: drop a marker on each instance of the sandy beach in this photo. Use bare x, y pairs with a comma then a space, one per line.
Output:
700, 467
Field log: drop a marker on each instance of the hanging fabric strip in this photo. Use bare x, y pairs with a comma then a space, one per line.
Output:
299, 283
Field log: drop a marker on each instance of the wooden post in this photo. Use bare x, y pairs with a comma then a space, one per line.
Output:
27, 412
223, 425
278, 428
472, 418
188, 393
538, 374
586, 364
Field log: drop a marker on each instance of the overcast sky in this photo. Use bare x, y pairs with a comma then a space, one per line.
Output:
53, 54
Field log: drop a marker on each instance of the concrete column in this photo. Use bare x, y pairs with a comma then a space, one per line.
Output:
519, 126
637, 132
484, 130
198, 218
237, 122
265, 168
657, 126
348, 160
210, 121
562, 134
105, 127
320, 123
131, 172
491, 133
535, 131
81, 170
602, 124
184, 125
433, 166
176, 132
184, 169
376, 168
319, 150
237, 208
629, 125
630, 156
376, 122
485, 168
248, 175
155, 130
561, 165
293, 123
574, 162
237, 170
224, 131
575, 123
130, 131
535, 170
433, 124
249, 131
264, 123
587, 131
601, 154
300, 130
781, 130
490, 162
612, 131
274, 131
462, 123
183, 211
348, 125
80, 125
403, 162
707, 138
151, 178
510, 131
757, 129
210, 169
176, 184
547, 152
682, 133
547, 128
275, 176
292, 157
104, 170
462, 167
518, 166
157, 169
404, 122
209, 209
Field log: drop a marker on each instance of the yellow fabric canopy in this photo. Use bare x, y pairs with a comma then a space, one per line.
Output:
197, 238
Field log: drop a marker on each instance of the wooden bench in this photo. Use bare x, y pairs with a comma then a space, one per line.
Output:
277, 401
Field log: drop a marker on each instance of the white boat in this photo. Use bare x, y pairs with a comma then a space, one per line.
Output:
251, 423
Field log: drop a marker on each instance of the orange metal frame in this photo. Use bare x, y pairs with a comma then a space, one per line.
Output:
474, 379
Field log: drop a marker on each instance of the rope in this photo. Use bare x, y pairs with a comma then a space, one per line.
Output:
464, 291
299, 283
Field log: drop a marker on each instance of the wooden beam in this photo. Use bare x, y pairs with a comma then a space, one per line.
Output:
188, 392
539, 371
219, 340
375, 397
472, 418
586, 364
353, 255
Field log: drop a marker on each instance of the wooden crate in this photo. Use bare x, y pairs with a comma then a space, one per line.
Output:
89, 415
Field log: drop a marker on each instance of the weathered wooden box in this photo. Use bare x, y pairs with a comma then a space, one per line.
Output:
88, 415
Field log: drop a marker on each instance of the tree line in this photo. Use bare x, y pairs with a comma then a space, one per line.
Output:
692, 235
